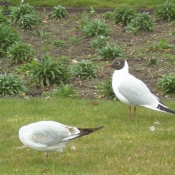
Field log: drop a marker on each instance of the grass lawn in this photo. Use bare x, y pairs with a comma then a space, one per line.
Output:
148, 4
122, 147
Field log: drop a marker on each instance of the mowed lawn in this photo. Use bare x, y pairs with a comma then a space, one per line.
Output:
123, 146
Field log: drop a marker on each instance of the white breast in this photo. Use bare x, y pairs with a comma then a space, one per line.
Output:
116, 83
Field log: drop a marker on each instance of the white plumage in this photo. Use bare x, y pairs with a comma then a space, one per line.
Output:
133, 91
50, 136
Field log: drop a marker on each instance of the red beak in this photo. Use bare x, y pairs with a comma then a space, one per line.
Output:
107, 66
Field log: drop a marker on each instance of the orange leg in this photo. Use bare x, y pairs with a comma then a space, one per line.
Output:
134, 111
46, 157
129, 112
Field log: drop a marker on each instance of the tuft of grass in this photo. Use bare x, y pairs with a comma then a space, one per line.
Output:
165, 11
96, 28
149, 4
65, 91
85, 69
58, 12
167, 83
124, 14
126, 146
162, 45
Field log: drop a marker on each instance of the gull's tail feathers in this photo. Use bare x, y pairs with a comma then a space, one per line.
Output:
87, 131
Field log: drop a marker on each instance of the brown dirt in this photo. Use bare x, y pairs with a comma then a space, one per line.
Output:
136, 49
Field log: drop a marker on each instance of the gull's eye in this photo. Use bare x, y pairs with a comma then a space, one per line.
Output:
118, 63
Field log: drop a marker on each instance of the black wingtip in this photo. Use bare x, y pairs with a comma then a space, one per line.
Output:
86, 131
165, 109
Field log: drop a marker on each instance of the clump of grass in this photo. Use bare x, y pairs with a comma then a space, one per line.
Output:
46, 72
99, 42
154, 61
109, 52
141, 22
11, 84
165, 11
20, 53
167, 83
16, 12
162, 45
124, 14
65, 91
96, 28
108, 15
59, 12
74, 40
84, 20
106, 89
8, 36
85, 69
59, 43
40, 33
25, 16
29, 21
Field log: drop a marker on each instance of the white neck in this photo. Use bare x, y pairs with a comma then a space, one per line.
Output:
126, 67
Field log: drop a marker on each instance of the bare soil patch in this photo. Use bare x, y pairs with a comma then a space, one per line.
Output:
136, 49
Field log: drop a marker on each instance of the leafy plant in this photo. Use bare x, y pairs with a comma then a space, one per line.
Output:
17, 12
28, 21
99, 42
3, 19
141, 22
92, 11
124, 14
106, 89
11, 84
84, 20
161, 45
26, 68
65, 91
96, 28
59, 12
74, 40
109, 52
165, 11
47, 72
40, 33
108, 15
20, 52
154, 60
8, 36
167, 83
58, 43
85, 70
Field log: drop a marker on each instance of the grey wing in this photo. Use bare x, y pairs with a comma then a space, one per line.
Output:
136, 92
49, 137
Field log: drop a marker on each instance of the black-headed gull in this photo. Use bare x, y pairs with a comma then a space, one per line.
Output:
50, 136
133, 91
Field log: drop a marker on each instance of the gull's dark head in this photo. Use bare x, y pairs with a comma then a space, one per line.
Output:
117, 64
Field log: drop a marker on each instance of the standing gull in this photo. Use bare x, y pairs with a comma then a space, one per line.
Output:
50, 136
133, 91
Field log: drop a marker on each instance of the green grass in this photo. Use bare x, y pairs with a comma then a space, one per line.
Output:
97, 4
122, 147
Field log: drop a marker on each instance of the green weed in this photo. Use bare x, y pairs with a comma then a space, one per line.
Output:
8, 36
11, 84
20, 53
167, 83
65, 91
96, 28
109, 52
124, 14
85, 69
165, 11
59, 12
